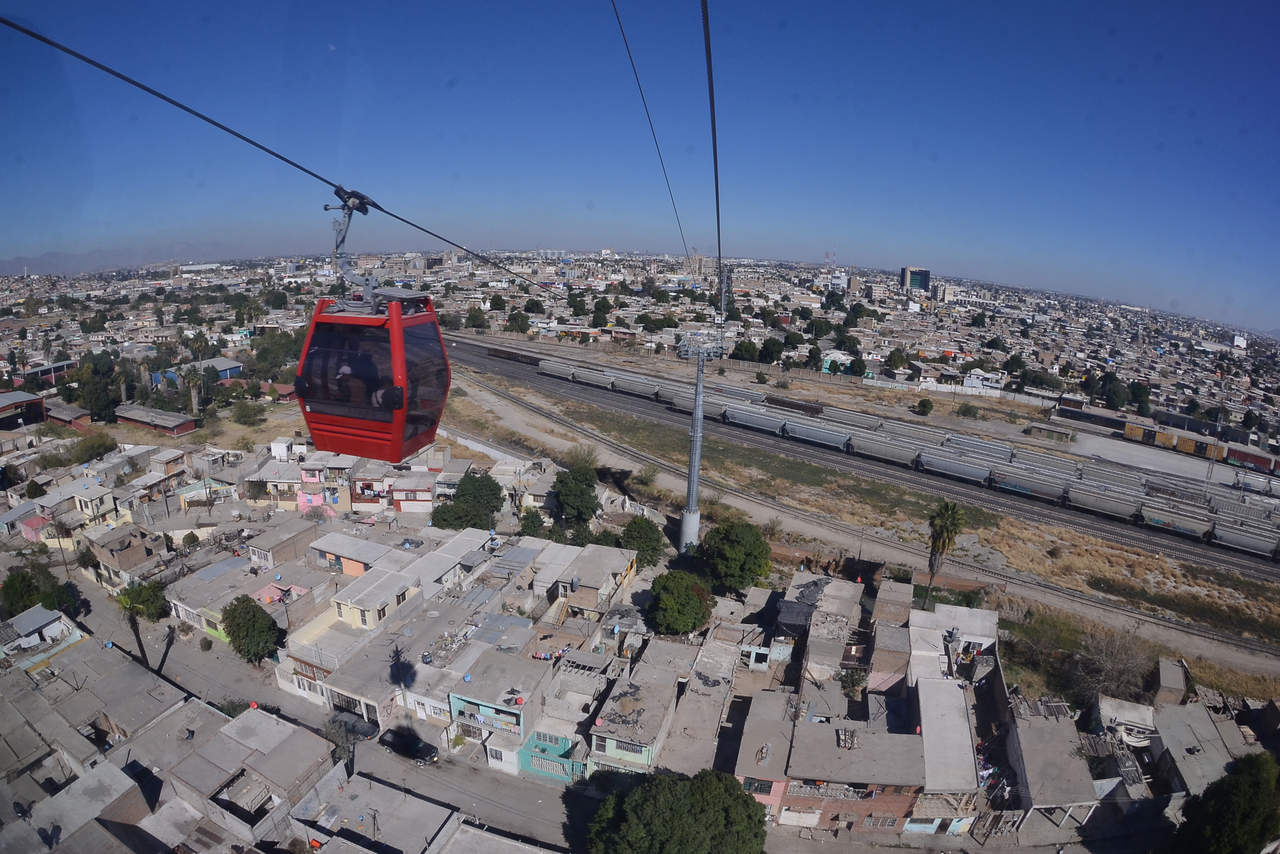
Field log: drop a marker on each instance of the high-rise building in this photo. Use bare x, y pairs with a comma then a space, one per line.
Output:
915, 277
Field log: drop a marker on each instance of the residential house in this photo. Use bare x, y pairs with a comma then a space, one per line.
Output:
629, 731
249, 778
34, 627
761, 766
292, 596
592, 579
226, 368
326, 483
1051, 773
284, 542
413, 492
498, 702
367, 601
125, 555
556, 749
169, 423
348, 554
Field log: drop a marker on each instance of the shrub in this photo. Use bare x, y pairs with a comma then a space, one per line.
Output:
967, 410
206, 644
925, 406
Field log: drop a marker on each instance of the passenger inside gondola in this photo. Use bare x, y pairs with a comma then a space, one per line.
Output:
347, 372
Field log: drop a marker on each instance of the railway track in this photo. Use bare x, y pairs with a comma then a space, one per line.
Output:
1250, 644
1030, 510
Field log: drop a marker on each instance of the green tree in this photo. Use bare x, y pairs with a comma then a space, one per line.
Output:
708, 813
814, 361
925, 406
646, 538
771, 351
250, 629
517, 322
1236, 814
18, 592
576, 501
480, 490
1014, 364
979, 320
745, 351
34, 490
680, 603
190, 539
497, 303
142, 602
476, 318
456, 515
737, 554
946, 521
248, 413
531, 524
534, 306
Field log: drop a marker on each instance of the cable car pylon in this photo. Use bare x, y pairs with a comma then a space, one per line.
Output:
700, 348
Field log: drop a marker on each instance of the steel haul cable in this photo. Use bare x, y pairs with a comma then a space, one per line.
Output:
652, 132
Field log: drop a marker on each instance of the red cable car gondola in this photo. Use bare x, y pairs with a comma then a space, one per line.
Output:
374, 375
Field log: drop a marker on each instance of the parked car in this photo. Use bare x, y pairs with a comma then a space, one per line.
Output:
404, 741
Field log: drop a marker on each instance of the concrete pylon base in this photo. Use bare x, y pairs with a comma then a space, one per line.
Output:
690, 520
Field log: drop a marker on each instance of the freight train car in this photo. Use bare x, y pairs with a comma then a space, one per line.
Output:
952, 467
813, 410
555, 369
636, 386
1154, 516
1116, 505
1021, 482
599, 379
754, 420
885, 449
817, 435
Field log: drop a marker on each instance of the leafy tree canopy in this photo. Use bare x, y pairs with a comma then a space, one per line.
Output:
708, 813
1236, 814
250, 629
680, 603
576, 501
646, 538
737, 554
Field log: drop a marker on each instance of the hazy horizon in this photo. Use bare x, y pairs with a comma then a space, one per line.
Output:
1123, 153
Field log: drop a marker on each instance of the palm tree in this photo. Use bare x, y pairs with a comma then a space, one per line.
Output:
132, 603
946, 521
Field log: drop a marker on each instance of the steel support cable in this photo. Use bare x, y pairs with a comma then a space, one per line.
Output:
715, 148
340, 192
652, 132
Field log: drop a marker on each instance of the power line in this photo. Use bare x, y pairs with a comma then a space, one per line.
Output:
652, 132
339, 191
715, 151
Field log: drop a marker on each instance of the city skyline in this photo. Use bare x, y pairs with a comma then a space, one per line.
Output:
1116, 155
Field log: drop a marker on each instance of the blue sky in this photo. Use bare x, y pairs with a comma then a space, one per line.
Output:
1121, 150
